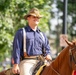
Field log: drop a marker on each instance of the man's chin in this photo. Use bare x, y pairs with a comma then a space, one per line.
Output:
36, 23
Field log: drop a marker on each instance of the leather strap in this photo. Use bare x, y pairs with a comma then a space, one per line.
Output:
24, 42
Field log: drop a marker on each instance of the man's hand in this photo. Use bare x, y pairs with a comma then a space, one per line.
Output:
15, 69
48, 60
48, 57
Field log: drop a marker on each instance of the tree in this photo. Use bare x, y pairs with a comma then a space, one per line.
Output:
12, 18
71, 18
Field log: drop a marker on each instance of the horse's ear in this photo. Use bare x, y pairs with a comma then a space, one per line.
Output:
69, 43
74, 42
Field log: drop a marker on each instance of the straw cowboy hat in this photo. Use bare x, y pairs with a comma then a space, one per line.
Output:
33, 12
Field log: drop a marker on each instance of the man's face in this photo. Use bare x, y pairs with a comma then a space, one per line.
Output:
32, 20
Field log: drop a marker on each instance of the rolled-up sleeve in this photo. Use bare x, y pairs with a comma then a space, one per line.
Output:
17, 47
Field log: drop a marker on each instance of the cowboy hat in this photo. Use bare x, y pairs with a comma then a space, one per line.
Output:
33, 12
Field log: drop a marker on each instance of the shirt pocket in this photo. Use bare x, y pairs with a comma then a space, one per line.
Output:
38, 43
29, 41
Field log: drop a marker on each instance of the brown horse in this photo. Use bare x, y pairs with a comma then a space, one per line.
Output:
64, 64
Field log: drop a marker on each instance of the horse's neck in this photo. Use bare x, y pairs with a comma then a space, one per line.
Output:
63, 56
60, 66
62, 61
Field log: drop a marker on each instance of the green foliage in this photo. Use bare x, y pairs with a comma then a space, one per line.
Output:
4, 4
12, 18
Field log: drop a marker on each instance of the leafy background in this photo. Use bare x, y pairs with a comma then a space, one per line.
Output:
12, 18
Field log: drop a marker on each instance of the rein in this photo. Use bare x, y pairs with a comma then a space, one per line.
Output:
55, 71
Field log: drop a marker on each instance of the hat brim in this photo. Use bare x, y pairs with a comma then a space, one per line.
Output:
39, 16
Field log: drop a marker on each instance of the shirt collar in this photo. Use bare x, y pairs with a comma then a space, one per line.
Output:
29, 29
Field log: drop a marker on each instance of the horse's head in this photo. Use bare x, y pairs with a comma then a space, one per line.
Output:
72, 52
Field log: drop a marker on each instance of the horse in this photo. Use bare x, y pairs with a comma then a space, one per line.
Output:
64, 64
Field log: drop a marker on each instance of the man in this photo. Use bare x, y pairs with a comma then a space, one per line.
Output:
34, 45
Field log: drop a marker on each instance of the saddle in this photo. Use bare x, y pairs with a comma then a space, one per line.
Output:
39, 67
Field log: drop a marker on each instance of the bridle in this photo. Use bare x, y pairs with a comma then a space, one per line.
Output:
72, 59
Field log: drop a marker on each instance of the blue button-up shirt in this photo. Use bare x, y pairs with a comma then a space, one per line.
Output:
34, 44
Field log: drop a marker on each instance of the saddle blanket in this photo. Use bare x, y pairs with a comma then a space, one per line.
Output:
40, 70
